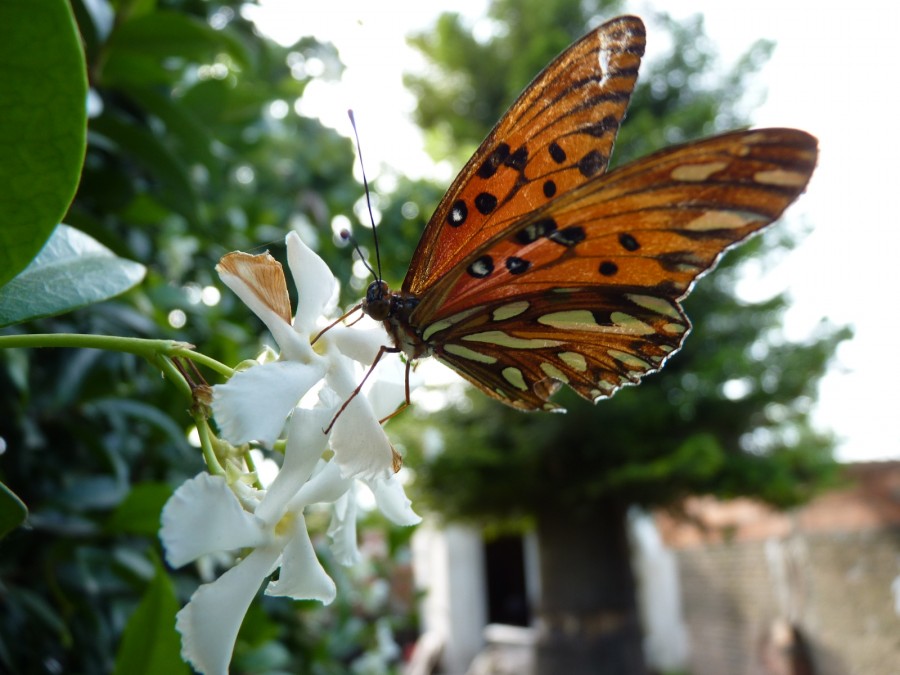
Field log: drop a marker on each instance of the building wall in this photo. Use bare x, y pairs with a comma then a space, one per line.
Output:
830, 570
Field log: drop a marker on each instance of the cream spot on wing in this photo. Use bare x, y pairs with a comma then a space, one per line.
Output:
630, 324
552, 371
722, 220
629, 360
574, 360
515, 378
575, 319
695, 173
498, 337
780, 177
655, 304
510, 310
444, 324
753, 138
675, 328
470, 354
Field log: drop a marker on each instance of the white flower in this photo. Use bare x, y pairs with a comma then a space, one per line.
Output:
205, 517
254, 403
266, 529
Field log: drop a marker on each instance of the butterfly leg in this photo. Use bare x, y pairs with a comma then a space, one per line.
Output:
381, 352
406, 403
336, 322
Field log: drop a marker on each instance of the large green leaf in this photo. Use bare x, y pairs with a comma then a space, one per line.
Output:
73, 270
150, 644
43, 89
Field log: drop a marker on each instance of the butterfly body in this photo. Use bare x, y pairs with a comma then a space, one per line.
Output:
540, 269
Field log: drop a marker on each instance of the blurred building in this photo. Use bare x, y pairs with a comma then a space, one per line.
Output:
726, 587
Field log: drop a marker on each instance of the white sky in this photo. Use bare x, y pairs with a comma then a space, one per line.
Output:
832, 74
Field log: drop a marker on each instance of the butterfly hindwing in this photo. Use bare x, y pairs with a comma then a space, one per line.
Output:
557, 135
590, 339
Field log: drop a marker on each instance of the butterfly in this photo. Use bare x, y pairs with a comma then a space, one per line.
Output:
540, 269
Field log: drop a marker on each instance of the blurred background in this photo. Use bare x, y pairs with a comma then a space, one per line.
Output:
737, 513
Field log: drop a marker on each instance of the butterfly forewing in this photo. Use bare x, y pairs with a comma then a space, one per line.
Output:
585, 289
556, 136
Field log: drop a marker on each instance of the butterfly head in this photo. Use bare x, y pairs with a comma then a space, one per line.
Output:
377, 303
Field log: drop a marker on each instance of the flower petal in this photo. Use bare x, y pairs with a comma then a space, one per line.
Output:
342, 530
255, 280
316, 285
209, 623
392, 500
360, 344
254, 403
360, 445
327, 485
305, 444
302, 576
203, 516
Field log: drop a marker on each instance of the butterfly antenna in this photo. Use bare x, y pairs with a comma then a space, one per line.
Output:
346, 236
368, 199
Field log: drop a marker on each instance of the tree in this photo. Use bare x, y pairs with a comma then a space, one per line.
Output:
727, 416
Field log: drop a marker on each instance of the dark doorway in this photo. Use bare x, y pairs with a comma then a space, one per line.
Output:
507, 597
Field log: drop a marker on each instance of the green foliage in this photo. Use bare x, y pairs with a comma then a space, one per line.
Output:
71, 271
194, 149
150, 644
12, 511
42, 128
728, 415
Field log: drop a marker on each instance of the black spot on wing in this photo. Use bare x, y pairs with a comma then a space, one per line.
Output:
493, 161
485, 202
481, 267
569, 236
517, 265
534, 231
591, 164
557, 153
458, 213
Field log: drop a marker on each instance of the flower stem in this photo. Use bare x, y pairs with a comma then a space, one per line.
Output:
113, 343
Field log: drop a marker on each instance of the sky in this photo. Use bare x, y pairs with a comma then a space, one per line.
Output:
833, 74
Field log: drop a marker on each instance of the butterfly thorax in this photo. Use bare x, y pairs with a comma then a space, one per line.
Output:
394, 309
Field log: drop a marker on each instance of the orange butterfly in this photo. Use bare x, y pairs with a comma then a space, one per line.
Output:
540, 269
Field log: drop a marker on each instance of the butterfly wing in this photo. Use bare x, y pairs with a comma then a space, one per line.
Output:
557, 135
585, 290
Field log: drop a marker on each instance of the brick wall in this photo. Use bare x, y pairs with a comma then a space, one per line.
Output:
748, 573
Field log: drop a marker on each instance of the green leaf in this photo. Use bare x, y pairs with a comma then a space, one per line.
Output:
43, 89
150, 644
139, 511
73, 270
12, 511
